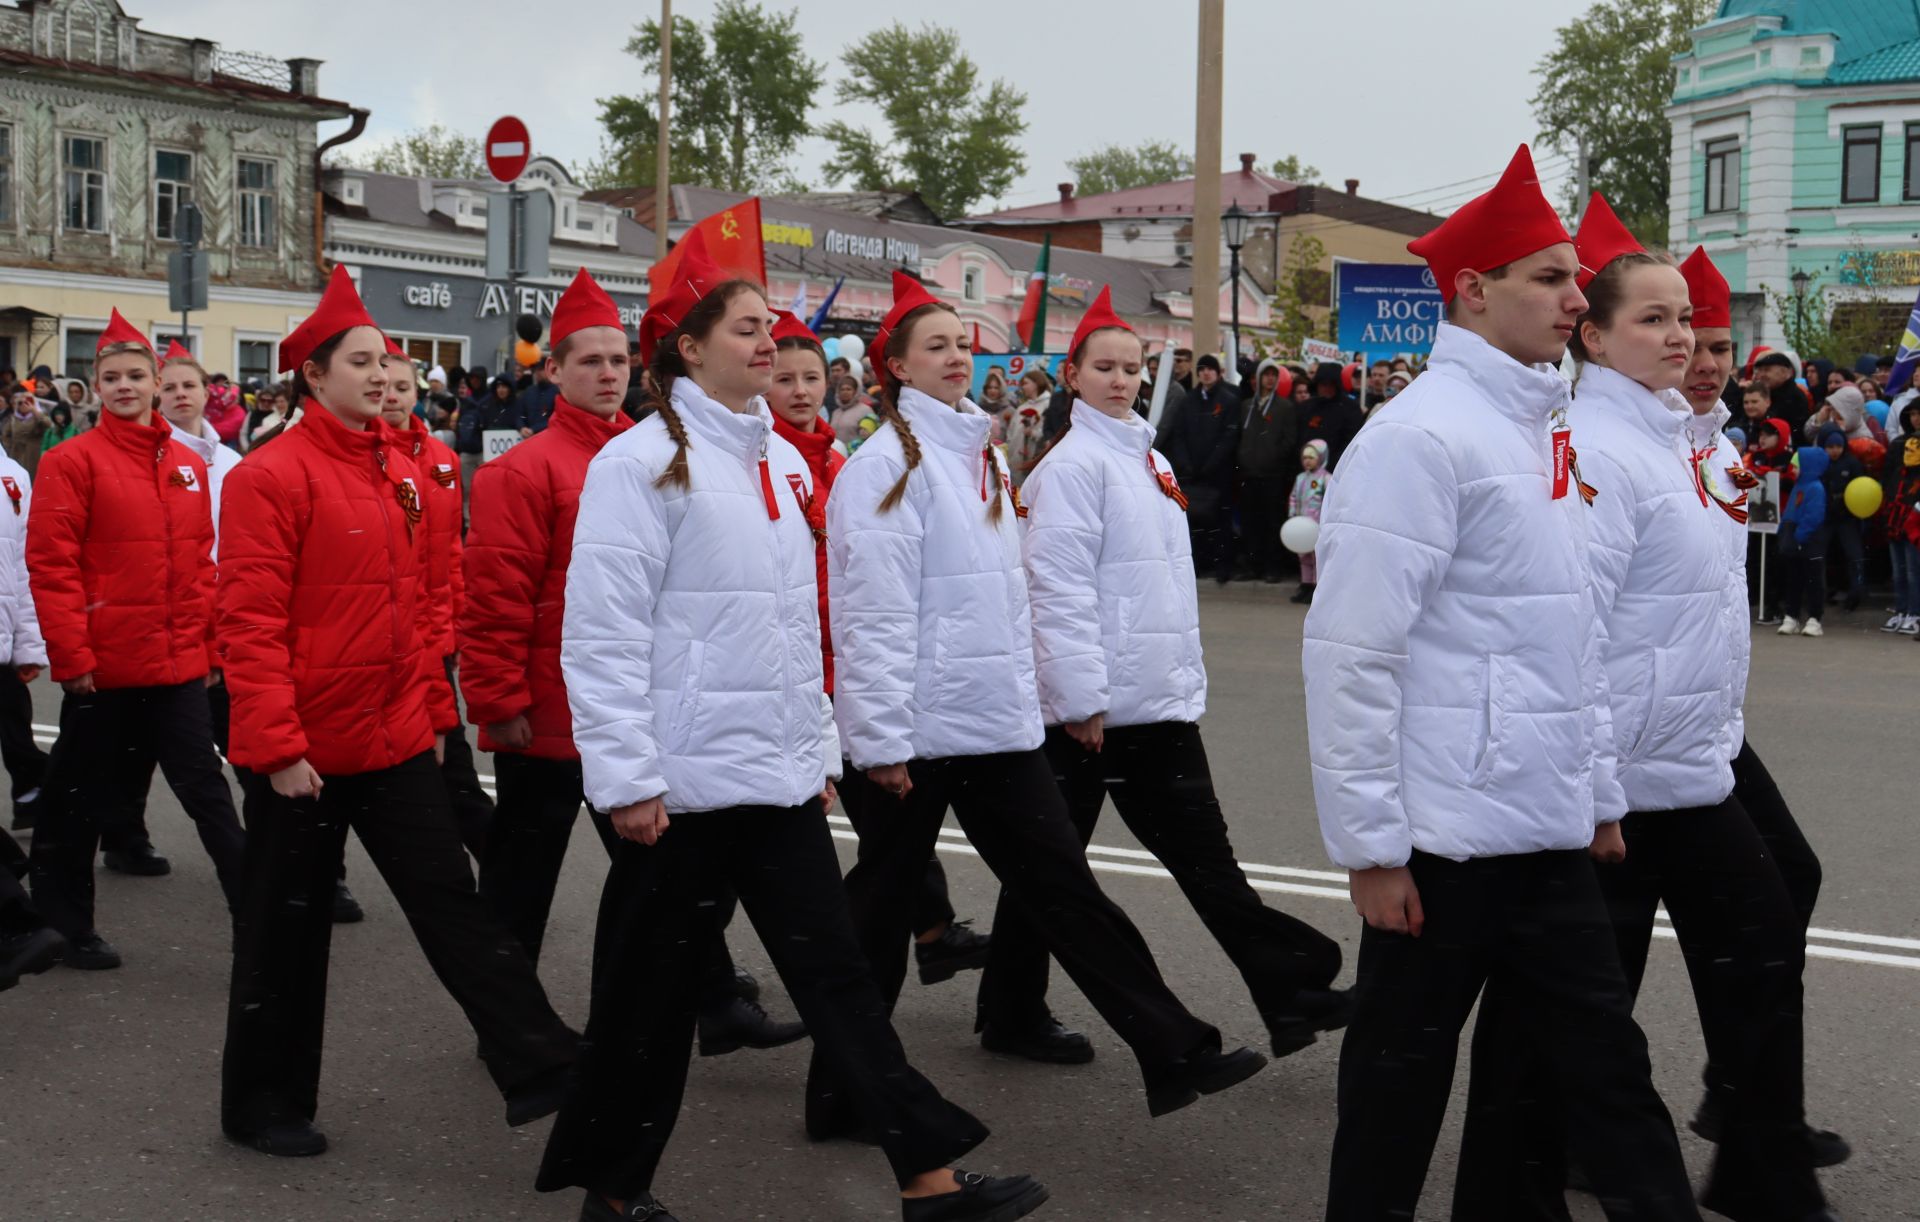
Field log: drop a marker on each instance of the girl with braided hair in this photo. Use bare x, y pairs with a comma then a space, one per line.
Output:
691, 651
935, 698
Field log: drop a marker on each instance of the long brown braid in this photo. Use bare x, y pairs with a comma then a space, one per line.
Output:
888, 409
668, 364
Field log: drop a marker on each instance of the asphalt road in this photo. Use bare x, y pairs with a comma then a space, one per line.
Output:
109, 1081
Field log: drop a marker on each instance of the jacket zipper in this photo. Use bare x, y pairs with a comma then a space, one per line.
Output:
779, 601
393, 571
166, 527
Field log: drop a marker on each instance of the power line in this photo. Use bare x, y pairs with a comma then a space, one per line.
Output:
1549, 163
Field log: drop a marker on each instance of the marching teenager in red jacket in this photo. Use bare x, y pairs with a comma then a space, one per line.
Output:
120, 557
446, 580
339, 699
942, 946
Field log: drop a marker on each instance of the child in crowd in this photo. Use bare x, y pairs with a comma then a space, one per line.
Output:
1309, 493
1903, 534
1803, 552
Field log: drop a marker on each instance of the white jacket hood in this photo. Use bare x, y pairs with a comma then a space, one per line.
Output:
1455, 694
1660, 574
932, 637
691, 641
19, 621
1116, 622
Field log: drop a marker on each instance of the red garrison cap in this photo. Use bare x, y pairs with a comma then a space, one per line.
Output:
1509, 222
908, 295
694, 277
394, 349
340, 309
584, 304
175, 352
120, 331
1100, 314
1711, 295
787, 325
1601, 240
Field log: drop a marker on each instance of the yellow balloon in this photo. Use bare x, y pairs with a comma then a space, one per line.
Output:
1863, 497
527, 354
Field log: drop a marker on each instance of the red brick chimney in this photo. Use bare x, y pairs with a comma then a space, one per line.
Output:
1066, 192
1353, 186
1246, 163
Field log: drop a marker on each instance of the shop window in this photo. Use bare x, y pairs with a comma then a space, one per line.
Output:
1723, 175
258, 203
84, 162
1860, 165
256, 360
1912, 187
172, 190
78, 359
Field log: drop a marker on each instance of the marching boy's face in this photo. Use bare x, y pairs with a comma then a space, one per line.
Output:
1527, 309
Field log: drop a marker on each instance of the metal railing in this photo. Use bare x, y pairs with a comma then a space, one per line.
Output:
255, 68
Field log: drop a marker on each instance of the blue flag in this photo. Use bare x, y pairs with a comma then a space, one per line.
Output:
820, 315
1908, 357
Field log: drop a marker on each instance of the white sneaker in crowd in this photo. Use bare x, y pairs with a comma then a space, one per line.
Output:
1789, 626
1893, 622
1910, 626
1813, 628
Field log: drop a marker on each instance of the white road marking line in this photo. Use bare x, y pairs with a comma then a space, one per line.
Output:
1116, 860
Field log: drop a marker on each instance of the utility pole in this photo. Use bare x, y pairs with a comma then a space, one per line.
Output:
1206, 178
661, 185
1583, 178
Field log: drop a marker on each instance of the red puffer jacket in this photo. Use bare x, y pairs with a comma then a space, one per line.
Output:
120, 557
816, 446
518, 548
324, 612
446, 576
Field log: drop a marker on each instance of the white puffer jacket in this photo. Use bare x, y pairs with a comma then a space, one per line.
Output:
932, 638
1455, 693
691, 641
220, 459
1660, 582
19, 621
1715, 458
1116, 624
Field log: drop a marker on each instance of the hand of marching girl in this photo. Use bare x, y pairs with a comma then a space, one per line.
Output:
828, 797
1608, 845
644, 822
1090, 734
297, 781
81, 686
893, 778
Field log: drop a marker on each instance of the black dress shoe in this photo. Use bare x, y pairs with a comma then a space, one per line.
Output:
29, 954
737, 1023
538, 1097
346, 909
24, 810
1206, 1072
139, 860
91, 953
285, 1139
1710, 1122
744, 986
642, 1208
1045, 1041
957, 949
981, 1198
1299, 596
1309, 1012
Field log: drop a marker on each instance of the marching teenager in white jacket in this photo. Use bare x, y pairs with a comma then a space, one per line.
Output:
935, 696
691, 650
1725, 478
1461, 763
27, 945
1116, 637
1658, 555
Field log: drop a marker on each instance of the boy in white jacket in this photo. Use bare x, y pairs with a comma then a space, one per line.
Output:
27, 945
1461, 747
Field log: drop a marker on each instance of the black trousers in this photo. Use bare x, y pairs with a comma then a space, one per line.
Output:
1745, 949
105, 739
1013, 813
1842, 536
1263, 507
655, 916
1532, 927
25, 762
123, 822
1803, 584
472, 808
17, 913
860, 801
276, 1012
1210, 529
1161, 784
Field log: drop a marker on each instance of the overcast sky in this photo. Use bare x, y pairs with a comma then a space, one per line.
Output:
1407, 96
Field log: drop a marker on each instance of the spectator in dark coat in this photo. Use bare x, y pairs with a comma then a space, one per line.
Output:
1269, 457
537, 400
1200, 440
1843, 533
1331, 414
1790, 403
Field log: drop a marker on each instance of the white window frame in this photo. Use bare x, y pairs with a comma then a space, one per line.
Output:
181, 194
169, 329
272, 342
973, 283
70, 324
9, 158
104, 185
1726, 151
437, 338
247, 211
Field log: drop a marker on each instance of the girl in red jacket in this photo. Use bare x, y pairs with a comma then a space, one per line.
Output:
120, 558
338, 701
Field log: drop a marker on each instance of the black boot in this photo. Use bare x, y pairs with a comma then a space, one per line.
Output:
1045, 1041
24, 808
1207, 1071
346, 909
1710, 1122
91, 953
285, 1139
737, 1023
744, 986
29, 954
642, 1208
957, 949
1302, 594
538, 1097
981, 1198
138, 858
1308, 1013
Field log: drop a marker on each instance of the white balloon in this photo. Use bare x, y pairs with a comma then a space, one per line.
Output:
1298, 535
851, 347
853, 362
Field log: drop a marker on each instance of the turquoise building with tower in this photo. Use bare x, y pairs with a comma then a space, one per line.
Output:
1796, 156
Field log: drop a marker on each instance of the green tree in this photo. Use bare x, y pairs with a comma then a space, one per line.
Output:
433, 151
1609, 78
945, 136
741, 92
1301, 288
1840, 325
1116, 167
1293, 169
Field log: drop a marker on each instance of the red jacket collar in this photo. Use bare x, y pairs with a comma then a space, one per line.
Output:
333, 435
582, 425
149, 438
812, 443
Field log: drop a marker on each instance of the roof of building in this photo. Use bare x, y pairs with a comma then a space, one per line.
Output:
887, 205
1248, 187
1900, 62
221, 88
1861, 28
394, 199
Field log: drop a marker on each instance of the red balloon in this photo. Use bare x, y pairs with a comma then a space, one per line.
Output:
1350, 377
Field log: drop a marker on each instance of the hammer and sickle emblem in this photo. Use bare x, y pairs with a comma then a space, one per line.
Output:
729, 227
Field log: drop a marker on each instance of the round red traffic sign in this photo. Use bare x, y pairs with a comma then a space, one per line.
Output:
507, 148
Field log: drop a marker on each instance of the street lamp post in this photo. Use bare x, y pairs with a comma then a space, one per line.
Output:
1233, 228
1800, 281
